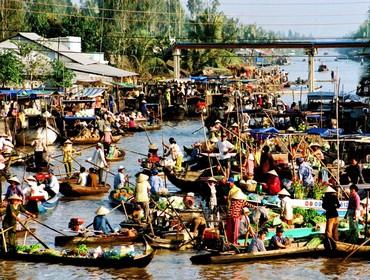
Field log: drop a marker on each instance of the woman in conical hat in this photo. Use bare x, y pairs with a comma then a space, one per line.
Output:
68, 153
330, 203
286, 206
101, 223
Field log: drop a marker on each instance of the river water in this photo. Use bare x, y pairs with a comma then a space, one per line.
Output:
168, 265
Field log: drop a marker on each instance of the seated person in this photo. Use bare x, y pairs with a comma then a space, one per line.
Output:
92, 179
245, 228
278, 241
257, 244
198, 225
82, 177
101, 222
260, 215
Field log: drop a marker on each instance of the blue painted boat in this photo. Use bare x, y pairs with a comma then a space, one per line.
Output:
40, 206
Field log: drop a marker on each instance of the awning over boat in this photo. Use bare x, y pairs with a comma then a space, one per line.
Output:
26, 93
91, 92
324, 132
263, 133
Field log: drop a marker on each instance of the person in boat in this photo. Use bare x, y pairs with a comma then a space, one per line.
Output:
82, 177
224, 148
142, 193
286, 207
354, 172
101, 223
34, 189
273, 184
363, 209
260, 215
100, 125
131, 124
257, 244
144, 109
167, 96
119, 178
13, 209
211, 183
176, 154
248, 163
305, 175
92, 179
68, 153
98, 160
267, 163
278, 241
330, 203
353, 213
153, 158
114, 152
156, 182
52, 186
107, 139
197, 226
14, 188
39, 149
246, 228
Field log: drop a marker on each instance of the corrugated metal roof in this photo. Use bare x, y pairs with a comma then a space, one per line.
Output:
92, 92
100, 69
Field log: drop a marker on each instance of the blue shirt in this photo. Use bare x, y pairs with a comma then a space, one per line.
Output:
10, 191
101, 223
256, 245
305, 174
119, 179
155, 182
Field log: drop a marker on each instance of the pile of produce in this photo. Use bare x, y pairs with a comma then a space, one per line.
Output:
31, 112
123, 194
310, 216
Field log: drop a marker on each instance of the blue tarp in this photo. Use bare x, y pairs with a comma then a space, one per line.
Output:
324, 132
263, 133
91, 92
199, 78
31, 93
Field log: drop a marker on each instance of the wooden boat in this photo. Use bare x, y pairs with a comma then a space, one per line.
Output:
174, 113
92, 140
344, 249
145, 127
227, 257
164, 243
26, 136
70, 188
125, 262
122, 157
40, 206
105, 239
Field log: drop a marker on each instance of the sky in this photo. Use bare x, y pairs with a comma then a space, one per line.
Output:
320, 18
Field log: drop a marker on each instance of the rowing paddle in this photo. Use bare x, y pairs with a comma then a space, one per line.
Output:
358, 248
57, 231
30, 232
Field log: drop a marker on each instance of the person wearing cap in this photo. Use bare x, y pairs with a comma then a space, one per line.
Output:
13, 209
224, 148
245, 229
286, 207
98, 159
68, 153
273, 184
330, 204
257, 244
101, 223
14, 188
82, 177
156, 182
305, 174
176, 154
119, 178
142, 193
278, 241
353, 213
39, 149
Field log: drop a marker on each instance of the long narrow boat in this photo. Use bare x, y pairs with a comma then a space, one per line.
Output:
92, 140
125, 262
170, 244
344, 249
70, 188
225, 258
111, 239
121, 157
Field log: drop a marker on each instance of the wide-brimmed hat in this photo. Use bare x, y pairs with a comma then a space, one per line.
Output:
143, 101
290, 129
284, 192
330, 190
68, 142
190, 194
14, 179
239, 195
30, 179
102, 211
218, 121
273, 172
234, 124
107, 129
214, 139
142, 178
211, 179
315, 145
15, 197
153, 146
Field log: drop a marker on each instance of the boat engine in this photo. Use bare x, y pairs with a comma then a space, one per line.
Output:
75, 224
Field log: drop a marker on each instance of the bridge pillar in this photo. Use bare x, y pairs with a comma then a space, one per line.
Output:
311, 68
176, 63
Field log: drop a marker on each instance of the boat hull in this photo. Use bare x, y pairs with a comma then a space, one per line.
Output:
71, 189
92, 140
344, 249
94, 239
27, 136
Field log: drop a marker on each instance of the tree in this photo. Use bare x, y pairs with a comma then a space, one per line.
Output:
11, 69
60, 76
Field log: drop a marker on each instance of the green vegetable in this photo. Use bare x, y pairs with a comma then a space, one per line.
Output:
314, 242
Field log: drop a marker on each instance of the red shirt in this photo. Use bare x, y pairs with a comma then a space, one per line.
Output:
273, 185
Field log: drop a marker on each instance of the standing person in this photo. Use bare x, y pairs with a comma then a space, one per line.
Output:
167, 97
14, 188
144, 109
39, 149
224, 148
267, 163
119, 178
354, 172
176, 154
68, 152
99, 160
286, 208
53, 185
101, 223
142, 193
330, 203
107, 139
305, 175
13, 209
353, 213
156, 182
82, 177
211, 183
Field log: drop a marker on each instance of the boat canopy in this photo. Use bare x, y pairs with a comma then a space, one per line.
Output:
91, 92
263, 133
25, 93
324, 132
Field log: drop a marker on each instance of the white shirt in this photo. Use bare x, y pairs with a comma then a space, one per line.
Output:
82, 178
54, 184
224, 147
287, 208
175, 151
99, 158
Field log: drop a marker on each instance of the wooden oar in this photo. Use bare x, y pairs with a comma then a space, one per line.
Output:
30, 232
57, 231
141, 154
354, 251
53, 157
106, 170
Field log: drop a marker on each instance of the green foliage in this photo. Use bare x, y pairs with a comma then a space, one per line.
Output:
60, 76
318, 190
300, 192
11, 70
310, 216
